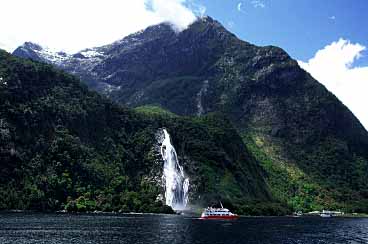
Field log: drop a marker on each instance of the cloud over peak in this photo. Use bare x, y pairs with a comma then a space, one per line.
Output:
71, 25
173, 11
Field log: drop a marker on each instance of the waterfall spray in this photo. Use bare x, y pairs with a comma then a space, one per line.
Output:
176, 185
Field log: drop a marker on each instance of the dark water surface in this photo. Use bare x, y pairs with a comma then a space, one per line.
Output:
23, 228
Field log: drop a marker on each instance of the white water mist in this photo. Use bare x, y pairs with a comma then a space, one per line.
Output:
176, 185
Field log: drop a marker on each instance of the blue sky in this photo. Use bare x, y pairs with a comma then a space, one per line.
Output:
301, 27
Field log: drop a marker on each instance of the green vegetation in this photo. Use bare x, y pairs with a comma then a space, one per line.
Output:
64, 147
153, 111
301, 191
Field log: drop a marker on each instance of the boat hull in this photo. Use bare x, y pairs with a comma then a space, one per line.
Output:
231, 217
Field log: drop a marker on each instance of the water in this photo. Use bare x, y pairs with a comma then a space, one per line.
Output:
154, 229
176, 185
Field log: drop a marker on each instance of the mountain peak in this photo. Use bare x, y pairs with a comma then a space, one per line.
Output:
164, 28
36, 52
33, 46
206, 19
30, 50
208, 27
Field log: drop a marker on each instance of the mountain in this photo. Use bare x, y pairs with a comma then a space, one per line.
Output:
313, 149
65, 147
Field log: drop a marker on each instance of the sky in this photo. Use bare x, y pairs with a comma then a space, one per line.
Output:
328, 38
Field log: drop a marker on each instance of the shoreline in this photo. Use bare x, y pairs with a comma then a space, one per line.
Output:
15, 211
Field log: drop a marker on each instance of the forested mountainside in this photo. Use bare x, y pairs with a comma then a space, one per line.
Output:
313, 149
65, 147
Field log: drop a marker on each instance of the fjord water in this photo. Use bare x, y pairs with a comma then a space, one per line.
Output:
176, 185
23, 228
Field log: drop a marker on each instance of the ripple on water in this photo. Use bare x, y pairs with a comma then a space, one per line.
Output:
23, 228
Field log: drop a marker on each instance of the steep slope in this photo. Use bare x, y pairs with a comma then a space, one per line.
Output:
62, 146
313, 148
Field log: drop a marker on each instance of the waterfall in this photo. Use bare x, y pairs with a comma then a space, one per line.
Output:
176, 185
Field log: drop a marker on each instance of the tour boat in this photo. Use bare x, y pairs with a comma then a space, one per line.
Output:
218, 213
326, 214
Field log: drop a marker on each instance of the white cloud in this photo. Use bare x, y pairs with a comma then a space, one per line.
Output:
72, 25
239, 7
333, 67
198, 9
202, 10
333, 17
230, 24
173, 11
258, 4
